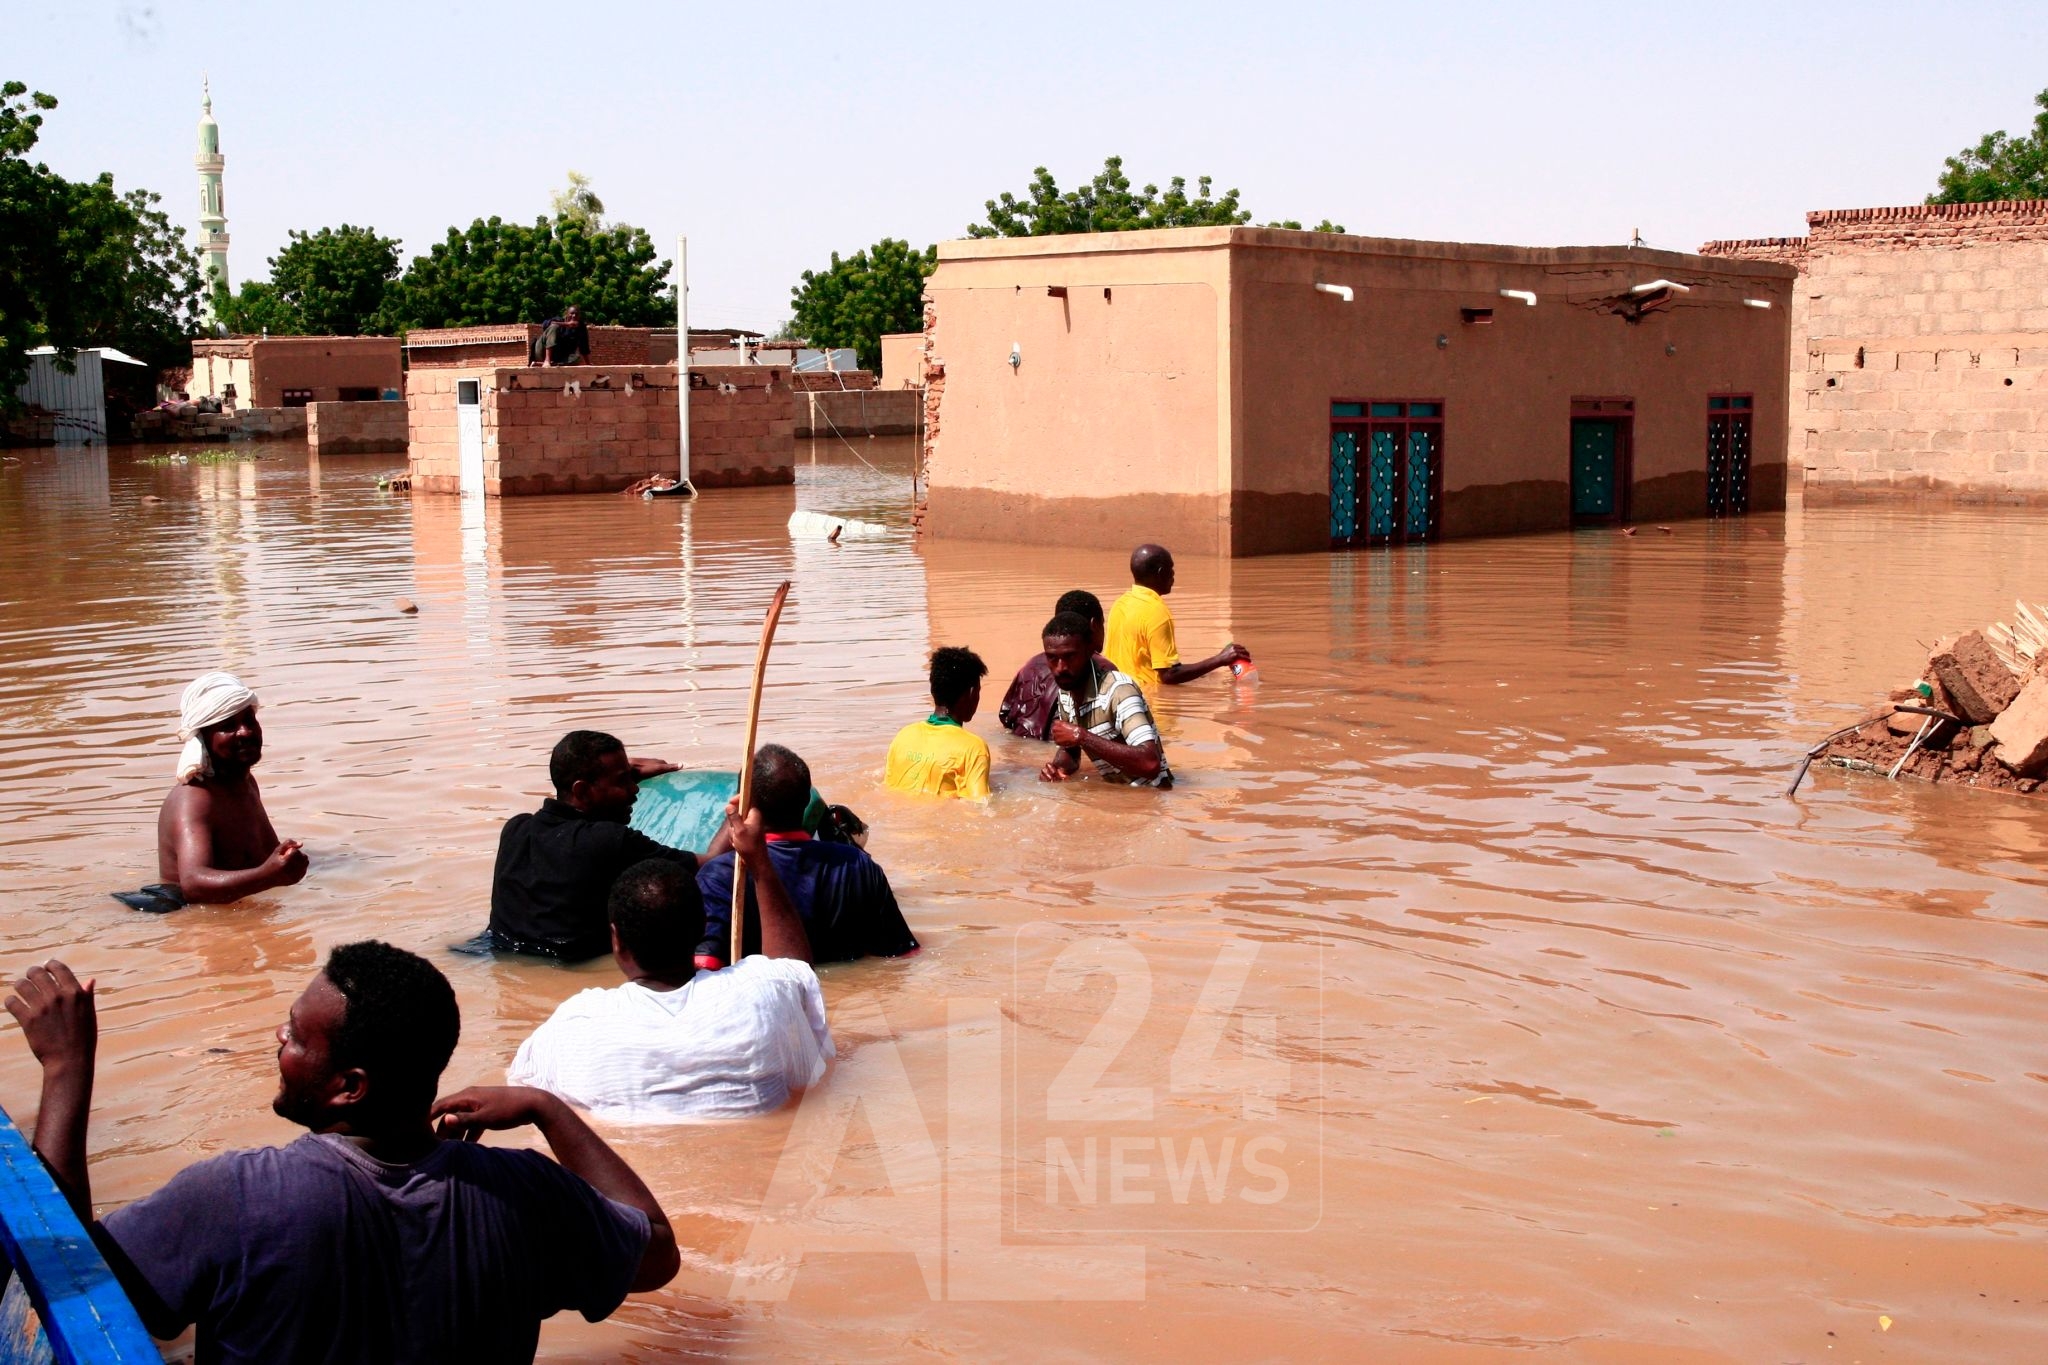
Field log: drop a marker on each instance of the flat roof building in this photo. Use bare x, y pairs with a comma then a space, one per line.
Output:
1241, 391
290, 372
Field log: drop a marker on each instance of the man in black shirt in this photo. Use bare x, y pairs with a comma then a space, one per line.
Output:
556, 867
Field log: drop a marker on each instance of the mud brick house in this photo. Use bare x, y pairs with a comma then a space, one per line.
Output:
1242, 391
1919, 348
290, 372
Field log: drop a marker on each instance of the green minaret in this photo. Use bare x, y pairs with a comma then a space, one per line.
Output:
213, 213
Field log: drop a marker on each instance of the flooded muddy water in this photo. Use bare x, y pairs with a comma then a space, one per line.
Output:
1477, 995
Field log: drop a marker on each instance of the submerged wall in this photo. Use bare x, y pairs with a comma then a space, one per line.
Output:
858, 412
1920, 355
597, 429
355, 428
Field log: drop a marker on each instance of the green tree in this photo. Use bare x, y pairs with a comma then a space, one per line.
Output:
32, 211
852, 303
254, 309
335, 279
1325, 226
155, 310
80, 264
1105, 204
1999, 167
498, 272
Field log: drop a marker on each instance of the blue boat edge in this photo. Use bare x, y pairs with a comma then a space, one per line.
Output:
80, 1315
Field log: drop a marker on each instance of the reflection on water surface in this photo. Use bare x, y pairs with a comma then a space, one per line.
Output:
1598, 1048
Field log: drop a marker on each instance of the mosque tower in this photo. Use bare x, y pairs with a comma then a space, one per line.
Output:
213, 217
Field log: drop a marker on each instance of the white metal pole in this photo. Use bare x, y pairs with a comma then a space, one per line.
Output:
683, 351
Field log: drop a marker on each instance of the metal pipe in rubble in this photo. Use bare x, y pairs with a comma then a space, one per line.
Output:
1815, 752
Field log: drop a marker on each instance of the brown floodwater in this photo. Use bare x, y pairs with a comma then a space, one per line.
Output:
1513, 1010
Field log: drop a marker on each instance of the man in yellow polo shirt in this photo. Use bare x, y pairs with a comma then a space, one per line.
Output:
1139, 635
939, 756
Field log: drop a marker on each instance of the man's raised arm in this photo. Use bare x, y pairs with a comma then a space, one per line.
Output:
782, 932
58, 1018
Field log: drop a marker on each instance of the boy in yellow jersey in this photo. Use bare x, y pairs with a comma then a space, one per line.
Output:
939, 756
1139, 635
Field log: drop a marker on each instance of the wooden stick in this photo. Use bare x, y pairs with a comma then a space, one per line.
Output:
739, 877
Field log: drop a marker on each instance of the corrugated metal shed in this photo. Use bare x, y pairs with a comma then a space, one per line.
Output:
80, 398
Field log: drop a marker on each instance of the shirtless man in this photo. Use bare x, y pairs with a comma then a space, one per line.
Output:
214, 841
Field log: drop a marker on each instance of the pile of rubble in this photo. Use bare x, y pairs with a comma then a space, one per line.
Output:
1978, 715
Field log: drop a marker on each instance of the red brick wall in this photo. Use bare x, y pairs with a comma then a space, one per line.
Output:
442, 348
538, 438
1784, 250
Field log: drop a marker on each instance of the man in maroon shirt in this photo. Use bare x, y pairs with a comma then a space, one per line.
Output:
1028, 706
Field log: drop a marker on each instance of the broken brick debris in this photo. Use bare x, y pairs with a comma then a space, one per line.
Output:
1995, 681
1974, 677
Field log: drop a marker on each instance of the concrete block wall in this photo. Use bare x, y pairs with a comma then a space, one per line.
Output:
617, 427
831, 381
1920, 348
355, 428
859, 412
742, 426
249, 424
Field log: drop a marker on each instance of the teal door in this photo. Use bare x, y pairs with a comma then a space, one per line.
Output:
1386, 472
1419, 491
1343, 487
1382, 483
1596, 467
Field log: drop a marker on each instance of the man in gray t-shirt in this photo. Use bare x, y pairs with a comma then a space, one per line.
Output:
380, 1236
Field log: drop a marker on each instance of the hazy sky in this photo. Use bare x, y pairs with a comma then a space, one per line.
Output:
776, 133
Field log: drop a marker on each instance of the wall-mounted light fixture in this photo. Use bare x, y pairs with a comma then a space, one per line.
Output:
1654, 285
1342, 291
1443, 340
1670, 348
1527, 296
1016, 354
1756, 303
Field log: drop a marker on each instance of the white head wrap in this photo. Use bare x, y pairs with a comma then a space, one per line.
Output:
211, 699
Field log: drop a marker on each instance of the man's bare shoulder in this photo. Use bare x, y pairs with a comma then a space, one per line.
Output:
187, 798
202, 796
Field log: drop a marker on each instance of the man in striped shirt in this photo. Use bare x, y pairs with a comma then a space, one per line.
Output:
1101, 714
